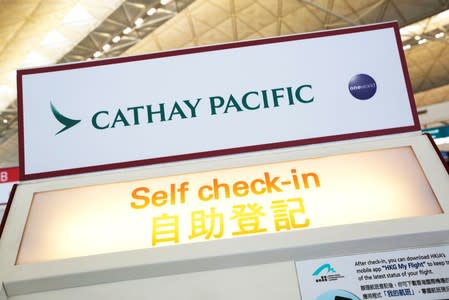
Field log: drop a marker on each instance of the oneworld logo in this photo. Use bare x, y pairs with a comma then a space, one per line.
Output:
362, 86
67, 122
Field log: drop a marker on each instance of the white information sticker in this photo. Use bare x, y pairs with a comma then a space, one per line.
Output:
403, 274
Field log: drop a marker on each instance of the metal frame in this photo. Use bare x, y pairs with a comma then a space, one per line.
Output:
307, 244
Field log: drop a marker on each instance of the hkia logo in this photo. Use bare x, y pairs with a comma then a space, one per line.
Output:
325, 273
325, 267
67, 122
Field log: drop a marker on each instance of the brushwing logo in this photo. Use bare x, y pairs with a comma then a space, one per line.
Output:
362, 86
322, 268
67, 122
326, 273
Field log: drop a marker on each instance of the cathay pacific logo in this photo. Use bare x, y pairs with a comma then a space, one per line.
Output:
67, 122
190, 108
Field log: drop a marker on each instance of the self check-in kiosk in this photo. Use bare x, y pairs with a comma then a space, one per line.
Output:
289, 167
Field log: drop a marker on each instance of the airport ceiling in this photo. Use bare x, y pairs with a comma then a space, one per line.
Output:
42, 32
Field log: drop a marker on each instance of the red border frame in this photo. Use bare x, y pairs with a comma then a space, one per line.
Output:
435, 147
8, 207
393, 25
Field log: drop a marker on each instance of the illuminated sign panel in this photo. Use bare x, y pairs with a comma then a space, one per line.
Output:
228, 94
230, 203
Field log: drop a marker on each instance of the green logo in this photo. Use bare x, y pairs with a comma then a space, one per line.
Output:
326, 267
67, 122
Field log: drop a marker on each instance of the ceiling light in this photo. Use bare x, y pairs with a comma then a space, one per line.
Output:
426, 26
97, 54
127, 30
441, 141
6, 91
106, 47
411, 30
138, 22
11, 76
406, 47
422, 41
405, 30
439, 35
5, 121
53, 39
151, 11
35, 59
78, 16
116, 39
165, 2
442, 16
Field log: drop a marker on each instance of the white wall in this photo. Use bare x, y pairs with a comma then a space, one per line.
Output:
2, 210
270, 281
5, 190
433, 115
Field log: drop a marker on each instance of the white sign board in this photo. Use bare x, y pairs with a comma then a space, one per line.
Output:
406, 274
215, 100
222, 204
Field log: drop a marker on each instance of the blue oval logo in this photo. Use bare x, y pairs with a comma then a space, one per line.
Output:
362, 86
